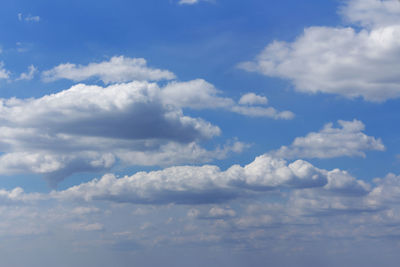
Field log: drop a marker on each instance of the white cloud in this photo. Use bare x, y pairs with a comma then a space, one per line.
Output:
4, 74
270, 201
116, 70
197, 185
387, 191
28, 18
253, 99
85, 226
330, 142
195, 94
342, 182
199, 94
340, 60
90, 128
28, 75
86, 128
319, 203
32, 18
219, 212
176, 153
372, 13
188, 2
17, 195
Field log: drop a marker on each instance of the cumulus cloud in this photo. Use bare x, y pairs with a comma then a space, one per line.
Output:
342, 182
372, 13
90, 128
195, 94
199, 94
344, 61
117, 69
268, 199
18, 195
386, 192
348, 140
86, 128
253, 99
208, 184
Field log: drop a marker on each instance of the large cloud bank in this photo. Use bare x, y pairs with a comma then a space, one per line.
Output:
342, 60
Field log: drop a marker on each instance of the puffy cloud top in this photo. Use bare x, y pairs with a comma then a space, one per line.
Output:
199, 185
342, 61
330, 142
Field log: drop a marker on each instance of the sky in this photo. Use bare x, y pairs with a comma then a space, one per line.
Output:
200, 132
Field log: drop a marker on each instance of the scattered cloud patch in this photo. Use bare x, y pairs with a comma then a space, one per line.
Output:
253, 99
188, 2
85, 227
199, 94
32, 70
195, 94
116, 70
28, 18
348, 140
4, 73
344, 61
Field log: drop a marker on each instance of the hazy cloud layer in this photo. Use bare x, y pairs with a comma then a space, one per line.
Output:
266, 204
265, 193
345, 61
348, 140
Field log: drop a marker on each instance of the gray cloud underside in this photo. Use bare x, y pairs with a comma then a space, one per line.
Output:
85, 127
89, 128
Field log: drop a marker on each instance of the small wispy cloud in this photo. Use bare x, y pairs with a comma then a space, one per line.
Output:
4, 74
193, 2
29, 74
28, 18
188, 2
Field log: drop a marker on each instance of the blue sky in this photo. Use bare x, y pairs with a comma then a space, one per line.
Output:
209, 132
